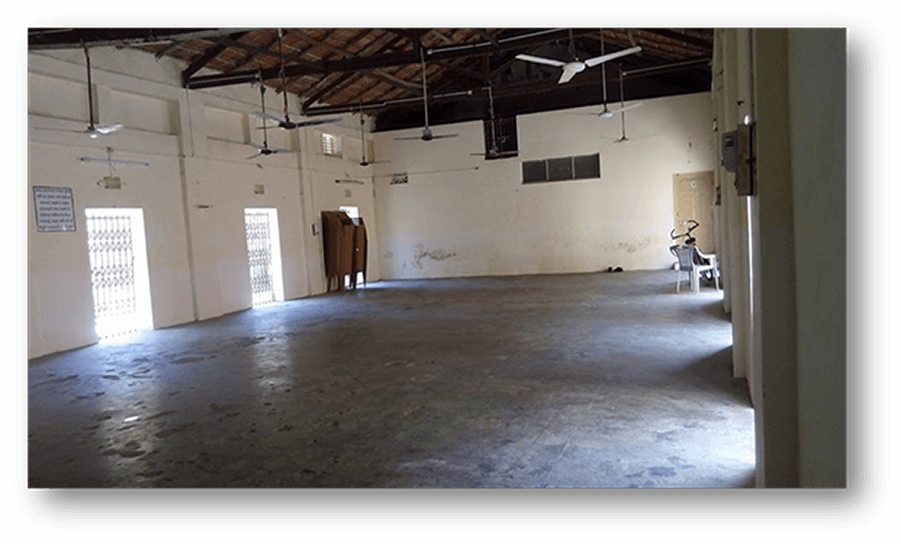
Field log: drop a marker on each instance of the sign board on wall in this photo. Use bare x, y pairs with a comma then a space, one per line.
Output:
54, 209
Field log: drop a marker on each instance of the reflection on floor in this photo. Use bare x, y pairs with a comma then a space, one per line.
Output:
585, 380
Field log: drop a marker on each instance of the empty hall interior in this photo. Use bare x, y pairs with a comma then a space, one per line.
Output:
436, 258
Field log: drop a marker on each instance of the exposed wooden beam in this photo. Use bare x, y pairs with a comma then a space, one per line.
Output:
678, 36
381, 43
204, 59
440, 36
454, 66
303, 35
166, 50
296, 59
372, 62
251, 56
289, 82
483, 32
76, 38
413, 35
670, 67
393, 80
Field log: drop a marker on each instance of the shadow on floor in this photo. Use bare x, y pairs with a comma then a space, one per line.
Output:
715, 309
714, 373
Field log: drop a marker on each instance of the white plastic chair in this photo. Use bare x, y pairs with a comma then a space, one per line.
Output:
685, 261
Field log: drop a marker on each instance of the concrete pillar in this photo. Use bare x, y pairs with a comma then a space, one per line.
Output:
777, 414
736, 220
743, 111
312, 242
816, 77
722, 178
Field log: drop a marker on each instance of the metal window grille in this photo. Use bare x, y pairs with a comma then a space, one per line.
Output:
504, 137
259, 254
562, 169
331, 145
112, 261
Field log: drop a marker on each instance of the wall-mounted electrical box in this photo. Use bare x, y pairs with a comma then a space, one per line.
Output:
730, 151
746, 172
110, 182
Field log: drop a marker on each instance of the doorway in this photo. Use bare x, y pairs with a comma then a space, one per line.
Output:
120, 279
353, 212
693, 199
264, 255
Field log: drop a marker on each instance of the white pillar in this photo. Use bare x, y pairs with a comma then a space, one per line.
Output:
777, 414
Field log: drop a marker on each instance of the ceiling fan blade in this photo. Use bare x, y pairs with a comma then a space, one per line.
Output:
444, 136
409, 138
604, 58
108, 129
566, 76
253, 156
60, 130
629, 107
541, 60
265, 115
313, 122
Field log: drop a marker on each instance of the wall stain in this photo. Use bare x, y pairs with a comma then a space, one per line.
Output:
419, 253
632, 247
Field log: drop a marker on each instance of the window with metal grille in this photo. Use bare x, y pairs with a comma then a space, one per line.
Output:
503, 137
331, 145
263, 255
119, 275
587, 166
562, 169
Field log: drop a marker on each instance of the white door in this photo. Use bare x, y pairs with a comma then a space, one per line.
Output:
693, 198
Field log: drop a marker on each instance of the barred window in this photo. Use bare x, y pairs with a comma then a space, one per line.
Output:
331, 145
504, 138
562, 169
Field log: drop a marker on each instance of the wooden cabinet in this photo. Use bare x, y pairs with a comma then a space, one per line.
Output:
345, 244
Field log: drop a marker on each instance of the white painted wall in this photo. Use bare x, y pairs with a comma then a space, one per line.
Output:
193, 193
461, 215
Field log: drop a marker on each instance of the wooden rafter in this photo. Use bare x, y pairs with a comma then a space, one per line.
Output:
251, 56
209, 55
302, 66
381, 43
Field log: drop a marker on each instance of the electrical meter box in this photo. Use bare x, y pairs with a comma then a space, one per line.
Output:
730, 151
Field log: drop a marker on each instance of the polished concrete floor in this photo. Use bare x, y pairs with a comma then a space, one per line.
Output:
586, 380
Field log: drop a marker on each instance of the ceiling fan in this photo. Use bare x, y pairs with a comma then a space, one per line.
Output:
265, 149
427, 134
494, 151
287, 123
623, 108
570, 69
606, 113
364, 162
93, 130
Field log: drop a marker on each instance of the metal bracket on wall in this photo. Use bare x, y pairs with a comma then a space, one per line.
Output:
746, 172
